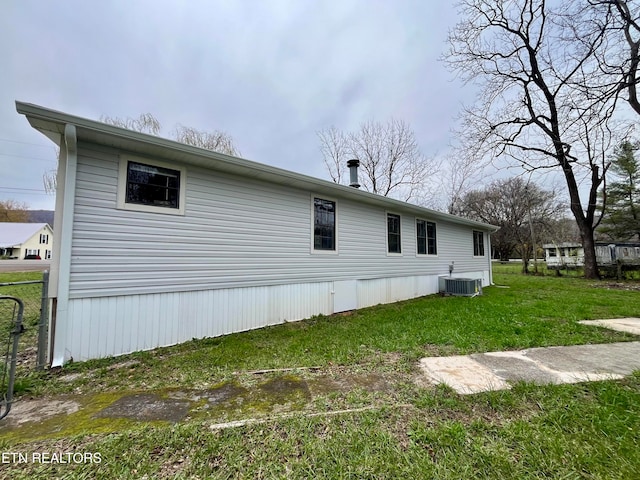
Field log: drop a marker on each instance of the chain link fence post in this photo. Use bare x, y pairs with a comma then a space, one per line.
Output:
43, 340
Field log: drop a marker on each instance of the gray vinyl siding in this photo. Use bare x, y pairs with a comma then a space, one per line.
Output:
236, 232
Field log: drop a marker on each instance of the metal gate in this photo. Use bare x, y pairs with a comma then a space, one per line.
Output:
10, 330
34, 296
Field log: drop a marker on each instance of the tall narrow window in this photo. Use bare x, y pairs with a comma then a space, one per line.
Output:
393, 233
324, 224
152, 185
426, 238
478, 243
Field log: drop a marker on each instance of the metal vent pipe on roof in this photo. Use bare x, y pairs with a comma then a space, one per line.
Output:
353, 172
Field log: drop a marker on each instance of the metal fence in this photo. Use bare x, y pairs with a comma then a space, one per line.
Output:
32, 348
11, 331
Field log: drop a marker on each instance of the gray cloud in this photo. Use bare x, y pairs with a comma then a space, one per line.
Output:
270, 73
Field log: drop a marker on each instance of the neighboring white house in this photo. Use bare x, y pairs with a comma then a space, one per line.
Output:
571, 255
22, 240
159, 242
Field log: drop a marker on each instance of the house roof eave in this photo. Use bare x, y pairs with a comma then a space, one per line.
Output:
51, 123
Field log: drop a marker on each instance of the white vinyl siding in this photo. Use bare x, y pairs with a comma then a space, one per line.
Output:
236, 232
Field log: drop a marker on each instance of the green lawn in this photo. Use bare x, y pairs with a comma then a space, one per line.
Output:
407, 431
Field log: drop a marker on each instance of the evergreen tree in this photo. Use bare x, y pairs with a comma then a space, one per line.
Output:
621, 219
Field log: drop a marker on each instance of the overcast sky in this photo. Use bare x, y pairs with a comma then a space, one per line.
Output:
270, 73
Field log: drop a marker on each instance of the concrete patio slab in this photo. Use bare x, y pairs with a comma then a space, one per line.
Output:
629, 325
551, 365
462, 373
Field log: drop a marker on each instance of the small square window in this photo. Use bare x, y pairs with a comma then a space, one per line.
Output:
150, 186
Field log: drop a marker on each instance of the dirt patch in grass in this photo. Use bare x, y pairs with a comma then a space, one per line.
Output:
435, 350
39, 410
627, 286
325, 384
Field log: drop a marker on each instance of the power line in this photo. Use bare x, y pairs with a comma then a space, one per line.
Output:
28, 156
21, 188
26, 143
32, 191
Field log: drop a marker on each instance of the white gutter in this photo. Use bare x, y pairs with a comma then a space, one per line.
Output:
490, 254
67, 173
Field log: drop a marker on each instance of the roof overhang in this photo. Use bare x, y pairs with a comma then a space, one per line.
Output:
52, 123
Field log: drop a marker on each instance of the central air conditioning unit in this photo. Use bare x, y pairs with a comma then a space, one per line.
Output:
467, 287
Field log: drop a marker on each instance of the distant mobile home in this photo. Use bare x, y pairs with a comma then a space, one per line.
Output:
158, 242
571, 255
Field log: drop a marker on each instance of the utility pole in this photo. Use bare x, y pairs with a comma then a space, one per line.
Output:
533, 238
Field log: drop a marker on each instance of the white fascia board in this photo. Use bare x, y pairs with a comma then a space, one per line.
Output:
51, 123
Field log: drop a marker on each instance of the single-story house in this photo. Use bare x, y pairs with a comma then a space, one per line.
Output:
563, 255
26, 240
571, 255
159, 242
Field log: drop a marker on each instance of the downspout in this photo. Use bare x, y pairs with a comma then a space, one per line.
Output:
61, 327
490, 263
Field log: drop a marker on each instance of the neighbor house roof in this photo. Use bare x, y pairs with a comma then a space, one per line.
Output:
14, 234
52, 124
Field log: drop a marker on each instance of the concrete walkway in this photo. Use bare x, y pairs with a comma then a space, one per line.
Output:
482, 372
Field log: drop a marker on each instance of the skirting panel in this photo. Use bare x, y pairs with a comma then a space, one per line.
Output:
111, 326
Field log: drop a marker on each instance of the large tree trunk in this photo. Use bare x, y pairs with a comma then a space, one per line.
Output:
585, 221
590, 261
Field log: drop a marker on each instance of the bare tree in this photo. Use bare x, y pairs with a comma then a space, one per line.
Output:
391, 163
628, 15
523, 211
617, 22
147, 123
216, 140
462, 170
533, 107
334, 146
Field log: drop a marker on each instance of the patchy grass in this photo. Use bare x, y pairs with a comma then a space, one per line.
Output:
405, 430
564, 431
531, 312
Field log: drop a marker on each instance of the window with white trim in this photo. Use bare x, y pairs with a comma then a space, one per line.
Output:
44, 238
150, 186
478, 243
324, 224
426, 237
394, 244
